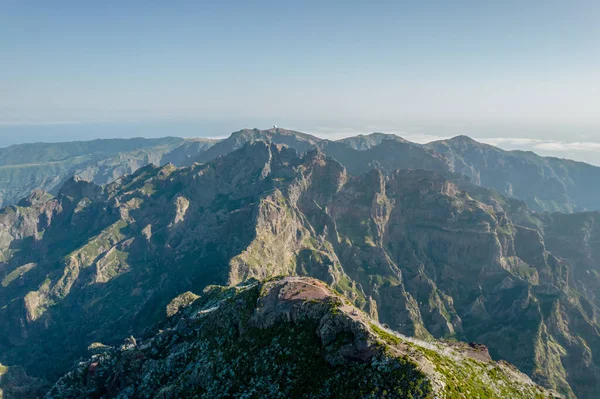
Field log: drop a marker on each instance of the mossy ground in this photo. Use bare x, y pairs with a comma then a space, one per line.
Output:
464, 377
222, 355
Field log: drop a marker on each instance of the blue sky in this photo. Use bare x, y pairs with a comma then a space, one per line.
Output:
527, 70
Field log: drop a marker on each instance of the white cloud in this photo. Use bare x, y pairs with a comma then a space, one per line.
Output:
555, 146
585, 151
511, 141
566, 146
423, 138
335, 133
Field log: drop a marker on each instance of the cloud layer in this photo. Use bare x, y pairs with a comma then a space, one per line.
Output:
544, 145
585, 151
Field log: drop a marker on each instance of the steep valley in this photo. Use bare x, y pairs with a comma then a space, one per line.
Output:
429, 254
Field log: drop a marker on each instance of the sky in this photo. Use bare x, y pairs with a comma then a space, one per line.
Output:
518, 74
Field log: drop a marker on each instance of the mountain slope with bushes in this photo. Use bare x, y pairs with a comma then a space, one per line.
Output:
286, 338
429, 254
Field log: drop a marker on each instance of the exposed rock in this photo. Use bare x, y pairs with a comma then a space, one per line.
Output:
290, 337
544, 183
435, 256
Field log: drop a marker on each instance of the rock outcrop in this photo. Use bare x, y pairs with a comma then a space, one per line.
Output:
288, 337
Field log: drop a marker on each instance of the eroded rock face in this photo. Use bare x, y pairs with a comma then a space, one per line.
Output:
428, 254
544, 183
288, 337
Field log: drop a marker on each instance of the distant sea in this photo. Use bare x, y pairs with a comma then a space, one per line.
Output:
58, 132
581, 145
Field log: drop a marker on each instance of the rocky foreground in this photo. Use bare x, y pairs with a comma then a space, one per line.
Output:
287, 337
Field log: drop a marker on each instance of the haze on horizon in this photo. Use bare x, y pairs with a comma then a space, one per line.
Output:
515, 74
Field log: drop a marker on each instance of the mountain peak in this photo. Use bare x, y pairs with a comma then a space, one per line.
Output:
78, 187
366, 141
463, 139
321, 343
299, 141
268, 133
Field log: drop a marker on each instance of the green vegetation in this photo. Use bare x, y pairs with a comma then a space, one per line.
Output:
386, 336
47, 166
17, 273
347, 287
100, 243
416, 249
284, 360
183, 300
466, 378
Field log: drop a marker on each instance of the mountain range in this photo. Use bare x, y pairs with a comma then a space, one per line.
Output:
544, 183
444, 241
46, 166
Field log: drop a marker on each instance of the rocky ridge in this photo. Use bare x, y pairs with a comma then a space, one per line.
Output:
46, 166
287, 337
543, 183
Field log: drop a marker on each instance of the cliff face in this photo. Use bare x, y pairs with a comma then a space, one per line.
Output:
117, 254
386, 154
411, 248
435, 261
544, 183
289, 337
576, 237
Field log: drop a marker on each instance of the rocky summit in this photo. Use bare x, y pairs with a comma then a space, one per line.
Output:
417, 247
543, 183
283, 338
